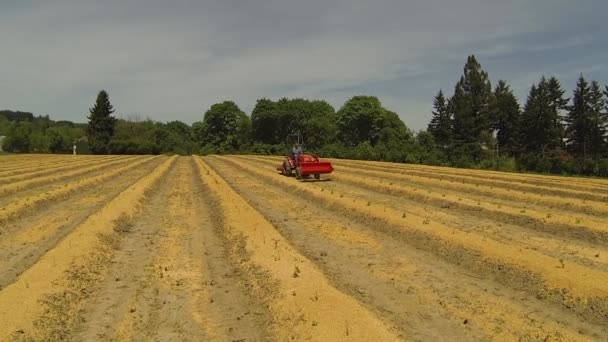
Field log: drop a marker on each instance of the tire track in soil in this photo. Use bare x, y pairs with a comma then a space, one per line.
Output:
172, 278
24, 241
414, 290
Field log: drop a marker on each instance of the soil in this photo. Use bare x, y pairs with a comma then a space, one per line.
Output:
224, 248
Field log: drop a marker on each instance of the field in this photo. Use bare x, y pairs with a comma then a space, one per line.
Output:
224, 248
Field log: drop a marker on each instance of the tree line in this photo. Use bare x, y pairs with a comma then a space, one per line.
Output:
478, 126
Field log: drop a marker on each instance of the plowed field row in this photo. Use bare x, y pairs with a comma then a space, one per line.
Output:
19, 205
408, 285
581, 288
39, 162
61, 175
50, 169
225, 248
520, 231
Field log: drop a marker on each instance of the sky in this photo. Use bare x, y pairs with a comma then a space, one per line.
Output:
171, 60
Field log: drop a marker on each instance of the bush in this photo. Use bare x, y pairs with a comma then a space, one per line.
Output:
132, 146
602, 168
268, 149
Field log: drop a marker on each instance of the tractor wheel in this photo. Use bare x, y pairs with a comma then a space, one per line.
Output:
317, 176
284, 170
298, 173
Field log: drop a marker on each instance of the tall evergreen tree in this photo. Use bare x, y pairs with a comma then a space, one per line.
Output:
507, 119
441, 122
100, 128
542, 130
470, 107
586, 120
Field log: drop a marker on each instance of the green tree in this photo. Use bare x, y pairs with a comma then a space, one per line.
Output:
58, 143
278, 123
542, 130
441, 122
586, 120
265, 123
363, 119
507, 119
4, 125
101, 124
18, 138
225, 128
471, 109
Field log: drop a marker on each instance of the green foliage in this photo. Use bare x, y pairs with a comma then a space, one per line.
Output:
39, 135
440, 126
586, 120
476, 127
427, 151
278, 123
363, 119
542, 131
471, 108
101, 124
17, 116
57, 142
507, 119
225, 129
17, 139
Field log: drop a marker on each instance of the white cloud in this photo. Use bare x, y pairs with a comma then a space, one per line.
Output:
173, 60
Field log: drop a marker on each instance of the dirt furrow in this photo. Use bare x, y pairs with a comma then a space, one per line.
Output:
19, 206
592, 192
21, 186
470, 219
172, 278
45, 162
542, 275
22, 242
62, 167
528, 178
303, 303
425, 297
572, 205
584, 227
44, 301
565, 187
37, 162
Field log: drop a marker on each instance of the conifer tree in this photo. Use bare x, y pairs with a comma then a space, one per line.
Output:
507, 119
441, 122
100, 129
586, 120
542, 129
470, 107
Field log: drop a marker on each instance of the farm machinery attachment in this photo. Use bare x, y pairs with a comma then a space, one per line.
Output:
307, 166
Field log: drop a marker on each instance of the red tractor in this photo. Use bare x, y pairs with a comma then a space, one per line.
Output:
307, 166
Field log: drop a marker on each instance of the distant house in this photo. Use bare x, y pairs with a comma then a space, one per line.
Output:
1, 140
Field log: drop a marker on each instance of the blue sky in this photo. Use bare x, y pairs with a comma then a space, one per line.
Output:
171, 60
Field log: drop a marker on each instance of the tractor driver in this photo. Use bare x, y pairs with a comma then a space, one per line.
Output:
296, 151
